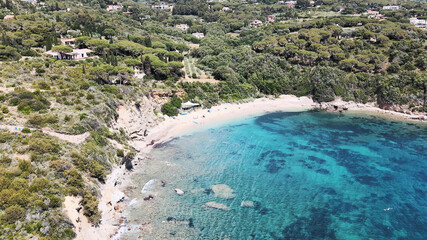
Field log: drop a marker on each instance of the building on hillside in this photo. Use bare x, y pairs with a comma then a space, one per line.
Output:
421, 23
183, 27
372, 13
162, 6
68, 41
270, 18
290, 4
281, 2
113, 8
256, 23
9, 17
33, 2
391, 7
76, 54
198, 35
226, 9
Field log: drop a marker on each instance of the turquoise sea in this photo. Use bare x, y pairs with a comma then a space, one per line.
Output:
309, 175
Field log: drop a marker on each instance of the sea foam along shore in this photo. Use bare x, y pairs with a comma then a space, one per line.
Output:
115, 188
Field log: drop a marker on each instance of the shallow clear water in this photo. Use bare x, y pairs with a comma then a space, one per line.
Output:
311, 175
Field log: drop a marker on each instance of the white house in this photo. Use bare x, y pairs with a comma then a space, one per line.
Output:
372, 13
290, 4
226, 9
68, 41
421, 23
183, 27
162, 6
113, 8
76, 54
391, 7
198, 35
9, 17
256, 23
33, 2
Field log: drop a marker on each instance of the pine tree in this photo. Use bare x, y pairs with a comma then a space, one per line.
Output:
4, 39
147, 66
8, 4
83, 69
49, 43
147, 41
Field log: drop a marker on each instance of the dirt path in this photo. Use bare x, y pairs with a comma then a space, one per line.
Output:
76, 139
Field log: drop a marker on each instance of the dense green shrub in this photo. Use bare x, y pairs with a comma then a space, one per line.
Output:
176, 101
120, 153
39, 184
42, 146
97, 170
26, 130
90, 207
4, 109
13, 214
74, 178
40, 120
169, 109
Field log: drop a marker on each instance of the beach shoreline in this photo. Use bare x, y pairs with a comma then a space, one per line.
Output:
114, 200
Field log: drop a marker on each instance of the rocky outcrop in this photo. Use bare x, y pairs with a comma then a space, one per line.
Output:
135, 118
216, 205
223, 191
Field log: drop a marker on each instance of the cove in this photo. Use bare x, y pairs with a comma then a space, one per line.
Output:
301, 175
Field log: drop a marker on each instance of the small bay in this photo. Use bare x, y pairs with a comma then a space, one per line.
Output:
286, 175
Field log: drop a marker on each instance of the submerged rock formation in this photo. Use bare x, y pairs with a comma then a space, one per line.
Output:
223, 191
216, 205
249, 204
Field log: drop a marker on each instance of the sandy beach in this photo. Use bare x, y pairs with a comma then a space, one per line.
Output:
114, 199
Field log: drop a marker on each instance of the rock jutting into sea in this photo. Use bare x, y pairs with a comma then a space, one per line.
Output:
216, 205
249, 204
223, 191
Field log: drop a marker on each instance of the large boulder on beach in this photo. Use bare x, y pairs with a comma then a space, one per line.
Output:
249, 204
223, 191
216, 205
179, 191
